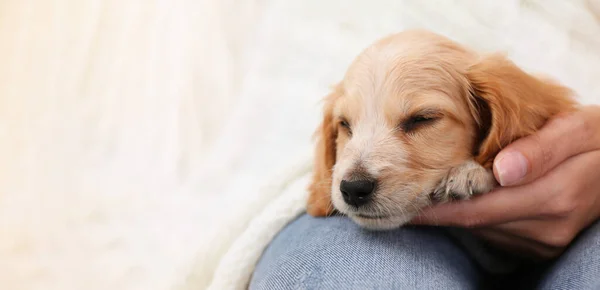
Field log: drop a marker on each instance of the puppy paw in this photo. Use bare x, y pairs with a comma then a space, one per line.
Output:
464, 181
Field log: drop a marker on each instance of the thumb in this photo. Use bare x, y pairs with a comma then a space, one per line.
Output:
562, 137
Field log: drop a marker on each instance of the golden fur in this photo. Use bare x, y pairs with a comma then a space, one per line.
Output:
425, 117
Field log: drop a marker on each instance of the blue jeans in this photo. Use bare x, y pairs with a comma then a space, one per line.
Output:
335, 253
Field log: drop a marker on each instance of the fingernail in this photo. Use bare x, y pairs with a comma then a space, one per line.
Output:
511, 168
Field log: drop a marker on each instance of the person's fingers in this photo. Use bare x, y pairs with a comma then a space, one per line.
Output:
562, 137
499, 206
496, 207
553, 195
574, 207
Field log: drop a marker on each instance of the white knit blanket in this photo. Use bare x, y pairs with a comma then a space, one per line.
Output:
162, 144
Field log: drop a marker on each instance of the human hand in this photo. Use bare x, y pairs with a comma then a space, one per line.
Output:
550, 190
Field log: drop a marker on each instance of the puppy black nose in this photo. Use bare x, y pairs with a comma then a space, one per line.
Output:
357, 192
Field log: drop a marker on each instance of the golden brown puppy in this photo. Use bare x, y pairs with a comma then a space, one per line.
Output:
419, 119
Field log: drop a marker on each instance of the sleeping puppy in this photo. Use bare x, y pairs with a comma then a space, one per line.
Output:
418, 119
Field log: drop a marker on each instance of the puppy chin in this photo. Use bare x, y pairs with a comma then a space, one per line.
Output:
369, 222
380, 223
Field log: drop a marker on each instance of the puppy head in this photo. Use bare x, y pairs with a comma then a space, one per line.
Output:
411, 107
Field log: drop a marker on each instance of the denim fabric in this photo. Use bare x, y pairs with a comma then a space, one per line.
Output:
578, 267
335, 253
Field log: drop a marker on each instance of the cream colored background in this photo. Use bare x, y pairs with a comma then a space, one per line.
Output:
135, 135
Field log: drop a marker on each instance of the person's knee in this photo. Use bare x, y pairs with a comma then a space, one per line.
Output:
294, 259
288, 272
328, 253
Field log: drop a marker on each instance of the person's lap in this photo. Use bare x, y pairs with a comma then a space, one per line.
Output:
578, 267
317, 253
329, 253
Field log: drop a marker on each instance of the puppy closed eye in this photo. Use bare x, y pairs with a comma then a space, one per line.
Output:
346, 126
417, 121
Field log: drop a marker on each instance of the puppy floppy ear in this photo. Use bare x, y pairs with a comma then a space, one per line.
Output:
508, 104
319, 200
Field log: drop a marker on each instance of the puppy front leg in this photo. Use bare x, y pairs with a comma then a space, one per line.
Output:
464, 181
